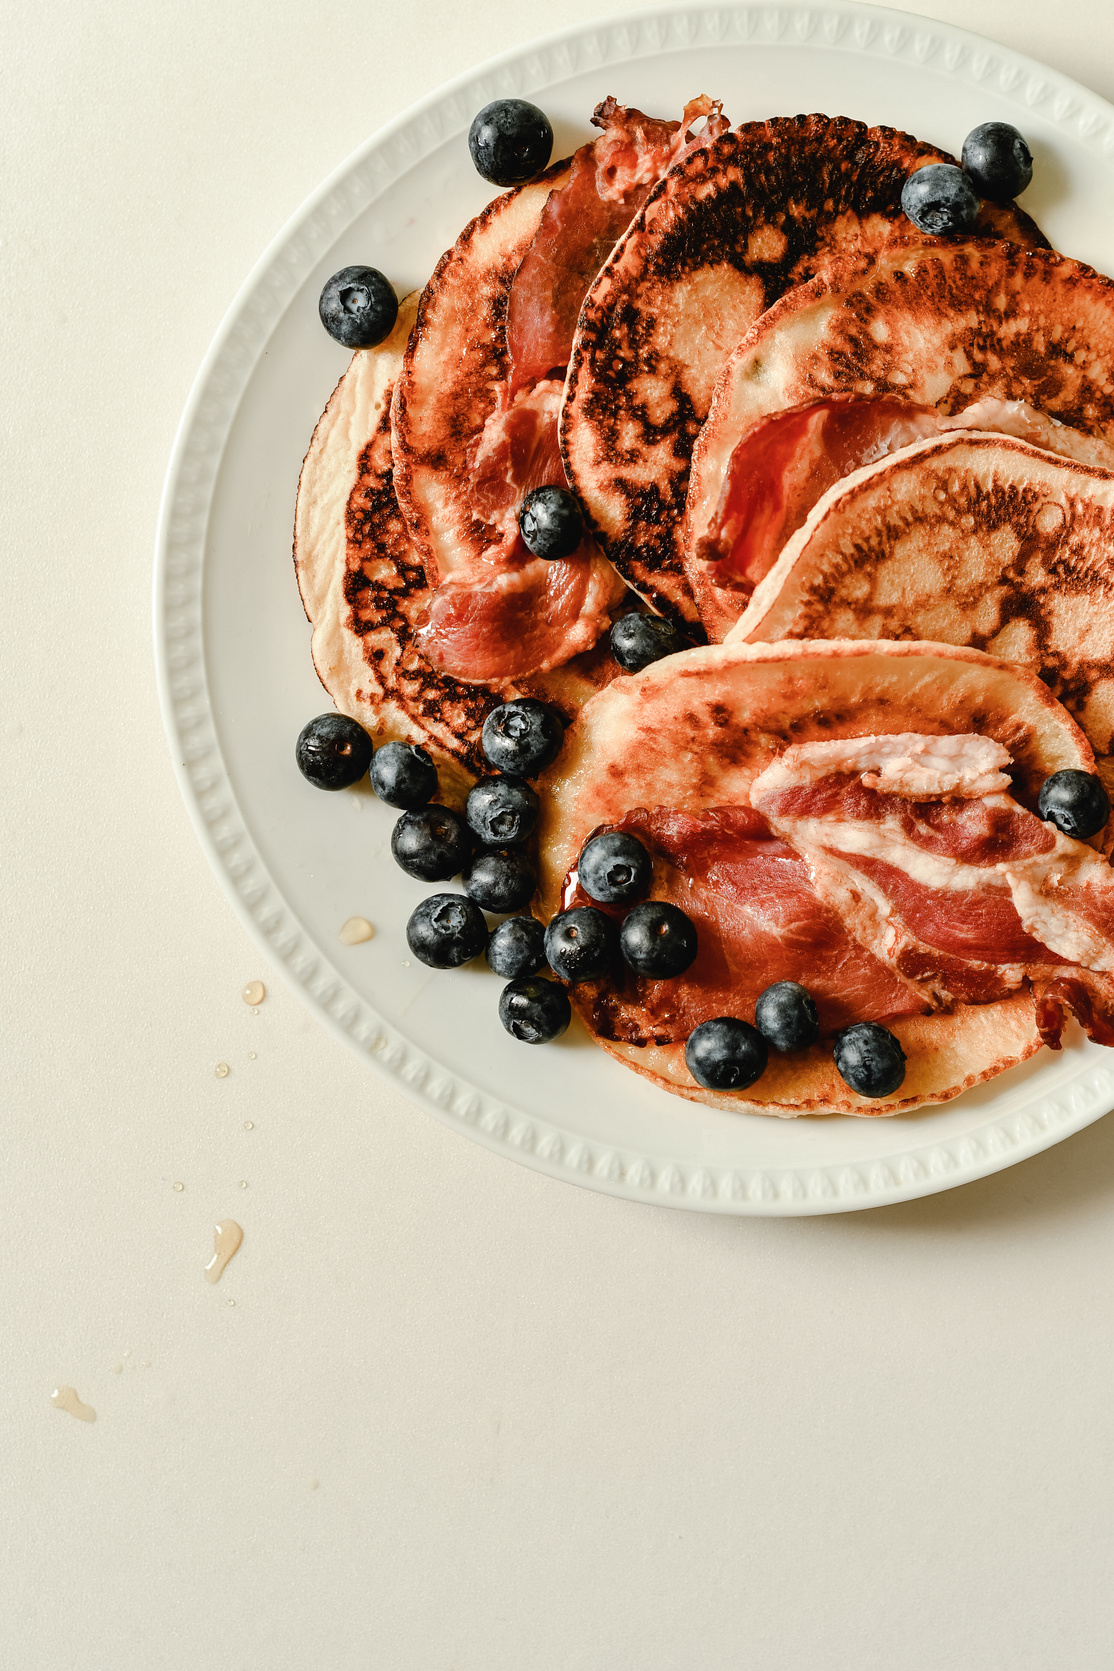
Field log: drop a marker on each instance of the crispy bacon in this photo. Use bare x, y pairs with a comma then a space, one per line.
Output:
515, 614
758, 920
973, 924
517, 450
582, 220
982, 831
1070, 993
787, 461
970, 898
928, 915
506, 614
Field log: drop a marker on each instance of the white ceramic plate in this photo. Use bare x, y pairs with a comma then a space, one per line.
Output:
233, 645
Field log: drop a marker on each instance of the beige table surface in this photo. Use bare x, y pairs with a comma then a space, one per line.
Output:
460, 1416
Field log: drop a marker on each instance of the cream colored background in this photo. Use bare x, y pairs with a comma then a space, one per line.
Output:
460, 1416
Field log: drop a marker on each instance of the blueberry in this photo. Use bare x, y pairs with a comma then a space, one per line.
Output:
550, 522
510, 141
431, 843
786, 1016
614, 868
1076, 802
402, 774
332, 751
501, 811
534, 1010
358, 307
725, 1054
580, 944
517, 948
940, 199
523, 736
637, 640
869, 1059
445, 931
501, 879
658, 940
998, 160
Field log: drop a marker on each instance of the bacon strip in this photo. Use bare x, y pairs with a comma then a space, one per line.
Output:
980, 925
610, 180
981, 831
507, 614
517, 615
784, 464
769, 904
517, 451
758, 919
1066, 993
973, 898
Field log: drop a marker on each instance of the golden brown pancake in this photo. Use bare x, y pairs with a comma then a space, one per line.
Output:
788, 461
454, 368
728, 231
694, 731
364, 586
941, 326
968, 539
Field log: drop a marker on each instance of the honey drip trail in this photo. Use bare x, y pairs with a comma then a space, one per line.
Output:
227, 1236
65, 1398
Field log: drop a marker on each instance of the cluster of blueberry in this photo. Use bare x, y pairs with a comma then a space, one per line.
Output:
944, 200
484, 845
653, 938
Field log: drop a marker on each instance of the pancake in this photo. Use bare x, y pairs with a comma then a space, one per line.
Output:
728, 231
968, 539
693, 733
364, 587
960, 328
476, 405
453, 370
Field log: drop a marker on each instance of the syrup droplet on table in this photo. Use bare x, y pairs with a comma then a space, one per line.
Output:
254, 993
251, 1055
222, 1070
227, 1237
355, 931
179, 1188
65, 1398
249, 1125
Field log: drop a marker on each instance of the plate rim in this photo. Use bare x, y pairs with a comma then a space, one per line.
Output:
202, 434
